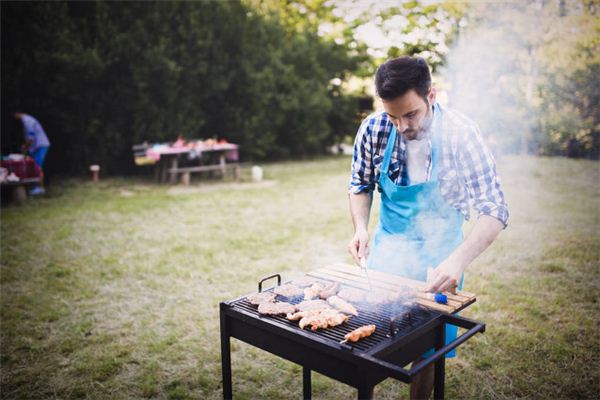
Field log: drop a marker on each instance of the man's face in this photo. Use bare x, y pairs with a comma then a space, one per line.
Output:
410, 114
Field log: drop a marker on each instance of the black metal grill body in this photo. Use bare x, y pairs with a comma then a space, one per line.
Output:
363, 364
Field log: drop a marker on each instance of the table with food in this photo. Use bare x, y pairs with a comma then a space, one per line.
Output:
17, 172
183, 157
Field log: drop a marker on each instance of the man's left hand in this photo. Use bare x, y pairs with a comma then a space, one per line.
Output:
445, 277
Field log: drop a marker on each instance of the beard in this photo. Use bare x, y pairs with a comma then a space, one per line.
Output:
421, 131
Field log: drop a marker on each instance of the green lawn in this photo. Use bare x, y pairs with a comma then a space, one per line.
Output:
112, 290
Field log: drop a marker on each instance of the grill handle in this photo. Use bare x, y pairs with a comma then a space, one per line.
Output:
267, 278
403, 373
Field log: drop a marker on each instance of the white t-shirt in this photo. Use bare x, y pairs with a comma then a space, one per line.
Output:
418, 152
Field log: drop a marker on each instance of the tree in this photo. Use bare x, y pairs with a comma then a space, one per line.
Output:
102, 76
568, 95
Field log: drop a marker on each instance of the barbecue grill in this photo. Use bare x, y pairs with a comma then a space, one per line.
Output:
403, 333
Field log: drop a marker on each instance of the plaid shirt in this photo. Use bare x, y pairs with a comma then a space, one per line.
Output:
467, 171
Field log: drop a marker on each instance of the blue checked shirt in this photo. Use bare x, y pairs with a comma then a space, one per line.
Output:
467, 172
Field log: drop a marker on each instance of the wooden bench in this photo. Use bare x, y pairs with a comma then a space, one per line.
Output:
185, 172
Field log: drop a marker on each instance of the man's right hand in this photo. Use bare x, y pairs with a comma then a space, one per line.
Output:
359, 245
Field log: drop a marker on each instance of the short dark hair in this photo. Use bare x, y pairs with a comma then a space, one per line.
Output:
397, 76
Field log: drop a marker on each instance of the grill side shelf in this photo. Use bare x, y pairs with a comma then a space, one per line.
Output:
473, 327
351, 275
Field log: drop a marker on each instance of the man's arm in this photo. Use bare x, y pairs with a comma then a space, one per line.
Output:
360, 209
360, 191
478, 168
447, 275
26, 145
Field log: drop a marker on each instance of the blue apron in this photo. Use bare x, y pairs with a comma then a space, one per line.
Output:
417, 227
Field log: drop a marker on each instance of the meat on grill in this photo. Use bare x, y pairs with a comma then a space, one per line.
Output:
262, 297
352, 295
313, 291
276, 308
342, 305
324, 319
329, 290
301, 314
308, 305
359, 333
288, 290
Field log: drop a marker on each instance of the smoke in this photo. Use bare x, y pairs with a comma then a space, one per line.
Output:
491, 71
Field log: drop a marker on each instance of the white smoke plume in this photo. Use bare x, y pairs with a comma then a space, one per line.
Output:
491, 71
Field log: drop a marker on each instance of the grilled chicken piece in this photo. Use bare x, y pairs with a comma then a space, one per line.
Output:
262, 297
342, 305
309, 305
312, 292
301, 314
276, 308
329, 290
315, 321
324, 319
359, 333
288, 290
352, 295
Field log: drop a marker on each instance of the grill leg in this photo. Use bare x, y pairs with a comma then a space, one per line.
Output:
440, 365
226, 358
306, 383
365, 392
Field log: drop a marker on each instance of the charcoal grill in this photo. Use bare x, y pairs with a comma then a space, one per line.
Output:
401, 336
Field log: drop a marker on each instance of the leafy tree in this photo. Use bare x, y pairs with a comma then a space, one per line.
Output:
568, 95
101, 76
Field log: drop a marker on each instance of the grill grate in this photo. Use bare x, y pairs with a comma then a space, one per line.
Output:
406, 319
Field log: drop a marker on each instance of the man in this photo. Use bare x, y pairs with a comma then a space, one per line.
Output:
36, 144
429, 163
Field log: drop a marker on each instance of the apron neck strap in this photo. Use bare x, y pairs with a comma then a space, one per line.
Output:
436, 141
389, 148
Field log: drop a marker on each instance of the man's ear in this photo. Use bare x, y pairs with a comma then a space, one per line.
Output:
431, 95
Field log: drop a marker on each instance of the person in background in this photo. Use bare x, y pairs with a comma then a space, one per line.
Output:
36, 144
430, 165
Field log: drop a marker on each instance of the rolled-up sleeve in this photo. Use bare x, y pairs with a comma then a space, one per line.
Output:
479, 171
362, 179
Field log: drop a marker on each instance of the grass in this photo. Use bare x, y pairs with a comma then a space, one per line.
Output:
112, 290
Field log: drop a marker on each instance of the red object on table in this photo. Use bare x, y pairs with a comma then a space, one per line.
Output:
26, 168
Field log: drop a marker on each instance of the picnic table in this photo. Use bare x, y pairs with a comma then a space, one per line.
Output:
200, 156
23, 172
